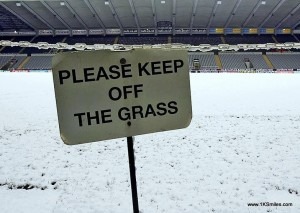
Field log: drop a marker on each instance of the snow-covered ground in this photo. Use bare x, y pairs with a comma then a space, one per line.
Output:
242, 146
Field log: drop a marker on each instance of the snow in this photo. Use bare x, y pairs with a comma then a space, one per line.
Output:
242, 146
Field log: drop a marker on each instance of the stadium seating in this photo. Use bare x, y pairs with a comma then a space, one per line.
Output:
7, 57
285, 38
32, 50
236, 60
15, 50
39, 61
197, 39
248, 39
49, 39
288, 60
130, 40
91, 40
23, 38
10, 21
206, 60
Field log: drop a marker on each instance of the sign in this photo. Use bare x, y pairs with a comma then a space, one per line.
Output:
45, 32
233, 30
27, 33
96, 32
62, 32
199, 31
164, 31
266, 30
147, 31
79, 32
113, 31
183, 31
296, 31
216, 31
284, 31
130, 31
106, 94
249, 30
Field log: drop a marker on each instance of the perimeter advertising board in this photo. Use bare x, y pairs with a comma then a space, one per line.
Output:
106, 94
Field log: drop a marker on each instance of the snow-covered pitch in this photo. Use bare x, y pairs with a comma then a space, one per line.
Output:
243, 146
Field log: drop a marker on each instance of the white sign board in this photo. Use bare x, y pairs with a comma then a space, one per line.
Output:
106, 94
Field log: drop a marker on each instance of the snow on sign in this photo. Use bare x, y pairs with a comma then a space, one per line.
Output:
106, 94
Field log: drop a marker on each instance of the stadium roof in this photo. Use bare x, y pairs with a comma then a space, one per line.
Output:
148, 14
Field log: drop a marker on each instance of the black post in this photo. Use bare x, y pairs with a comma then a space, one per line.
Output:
135, 201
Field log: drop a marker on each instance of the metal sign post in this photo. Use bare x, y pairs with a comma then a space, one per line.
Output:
135, 202
105, 94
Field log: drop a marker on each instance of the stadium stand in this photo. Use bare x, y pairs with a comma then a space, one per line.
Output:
49, 39
197, 39
206, 60
5, 58
290, 60
9, 38
130, 40
285, 38
41, 58
236, 60
19, 18
248, 39
16, 50
10, 21
32, 50
39, 61
91, 39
